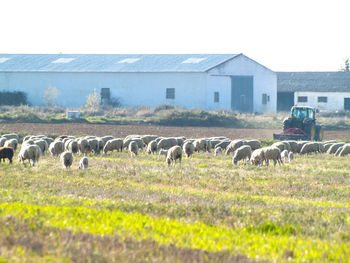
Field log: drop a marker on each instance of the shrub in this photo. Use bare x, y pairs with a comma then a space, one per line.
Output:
14, 98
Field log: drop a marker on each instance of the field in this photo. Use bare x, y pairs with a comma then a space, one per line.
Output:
125, 209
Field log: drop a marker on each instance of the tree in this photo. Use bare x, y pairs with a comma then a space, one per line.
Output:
93, 101
346, 66
50, 94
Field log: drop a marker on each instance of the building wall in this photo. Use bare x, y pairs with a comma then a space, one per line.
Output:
132, 89
335, 100
265, 82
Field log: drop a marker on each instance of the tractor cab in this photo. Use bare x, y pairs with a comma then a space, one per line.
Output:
300, 116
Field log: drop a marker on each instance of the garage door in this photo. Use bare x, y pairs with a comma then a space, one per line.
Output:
242, 93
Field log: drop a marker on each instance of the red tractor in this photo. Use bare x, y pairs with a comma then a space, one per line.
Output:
301, 125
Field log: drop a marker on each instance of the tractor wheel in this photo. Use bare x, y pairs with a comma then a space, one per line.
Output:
287, 124
310, 129
319, 133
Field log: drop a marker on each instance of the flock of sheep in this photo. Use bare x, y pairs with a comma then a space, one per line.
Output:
66, 147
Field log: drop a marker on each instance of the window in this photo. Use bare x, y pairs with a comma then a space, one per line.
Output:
216, 96
322, 99
302, 98
170, 93
193, 60
265, 98
105, 95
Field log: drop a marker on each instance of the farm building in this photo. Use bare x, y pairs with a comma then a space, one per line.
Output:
327, 91
207, 81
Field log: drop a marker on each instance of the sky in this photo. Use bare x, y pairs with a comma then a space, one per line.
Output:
283, 35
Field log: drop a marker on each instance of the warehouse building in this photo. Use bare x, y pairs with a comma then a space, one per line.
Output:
200, 81
327, 91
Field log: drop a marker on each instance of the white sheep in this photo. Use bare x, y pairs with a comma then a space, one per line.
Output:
166, 143
66, 159
11, 136
43, 145
2, 141
217, 151
29, 152
84, 146
272, 153
234, 145
152, 147
148, 138
345, 150
56, 148
133, 148
201, 145
223, 144
334, 148
290, 156
139, 142
310, 147
174, 154
242, 153
284, 155
83, 163
73, 146
188, 149
257, 157
114, 144
11, 143
254, 144
162, 152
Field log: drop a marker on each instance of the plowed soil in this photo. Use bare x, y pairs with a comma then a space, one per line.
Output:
124, 130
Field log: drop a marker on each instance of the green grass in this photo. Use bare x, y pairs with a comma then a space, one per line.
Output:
204, 210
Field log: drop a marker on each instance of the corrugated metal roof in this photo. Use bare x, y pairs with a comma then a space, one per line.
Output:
111, 63
313, 81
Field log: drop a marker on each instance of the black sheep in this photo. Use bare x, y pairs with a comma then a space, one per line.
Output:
6, 152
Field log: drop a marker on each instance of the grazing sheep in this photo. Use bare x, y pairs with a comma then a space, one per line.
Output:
188, 149
254, 144
84, 146
284, 155
2, 141
345, 150
29, 152
114, 144
281, 145
66, 159
242, 153
217, 151
310, 147
83, 163
257, 157
166, 143
201, 145
272, 153
335, 147
293, 146
139, 142
133, 148
6, 153
290, 156
73, 147
223, 144
174, 153
300, 145
56, 148
327, 146
180, 141
11, 136
11, 143
162, 152
93, 142
234, 145
148, 138
43, 145
105, 139
152, 147
61, 137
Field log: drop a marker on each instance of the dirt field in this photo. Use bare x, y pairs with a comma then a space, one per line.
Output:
124, 130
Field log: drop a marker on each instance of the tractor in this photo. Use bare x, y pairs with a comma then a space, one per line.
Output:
301, 125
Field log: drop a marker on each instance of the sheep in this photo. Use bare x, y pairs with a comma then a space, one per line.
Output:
257, 157
61, 137
139, 142
223, 144
281, 145
11, 136
105, 139
284, 155
162, 152
11, 143
133, 148
43, 145
6, 153
152, 147
254, 144
94, 145
114, 144
214, 142
83, 163
174, 153
56, 148
272, 153
293, 146
66, 159
148, 138
327, 146
84, 146
345, 150
300, 145
73, 146
234, 145
334, 148
244, 153
188, 149
2, 141
290, 156
166, 143
310, 147
180, 141
29, 152
217, 151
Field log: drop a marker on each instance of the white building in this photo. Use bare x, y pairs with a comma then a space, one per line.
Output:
327, 91
200, 81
